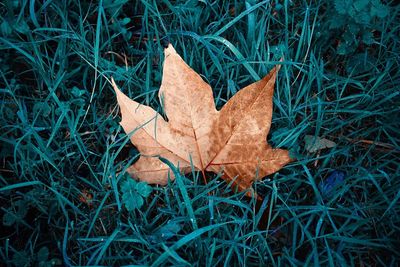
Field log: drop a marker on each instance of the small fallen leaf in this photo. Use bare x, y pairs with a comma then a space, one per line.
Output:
232, 140
335, 179
86, 197
315, 143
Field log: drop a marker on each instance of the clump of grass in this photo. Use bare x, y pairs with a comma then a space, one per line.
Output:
64, 154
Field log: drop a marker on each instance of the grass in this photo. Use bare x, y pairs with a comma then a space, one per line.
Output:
64, 153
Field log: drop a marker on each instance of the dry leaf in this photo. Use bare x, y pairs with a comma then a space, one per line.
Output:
232, 140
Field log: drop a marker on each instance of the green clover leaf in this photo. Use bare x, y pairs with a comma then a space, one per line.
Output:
133, 193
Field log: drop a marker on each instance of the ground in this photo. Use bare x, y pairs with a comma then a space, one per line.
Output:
65, 196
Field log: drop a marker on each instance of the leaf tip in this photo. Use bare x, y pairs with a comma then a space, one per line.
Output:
279, 65
114, 85
169, 50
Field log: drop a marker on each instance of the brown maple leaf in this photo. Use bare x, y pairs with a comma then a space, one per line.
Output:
232, 140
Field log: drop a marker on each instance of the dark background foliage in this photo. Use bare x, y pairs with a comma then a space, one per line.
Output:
63, 183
